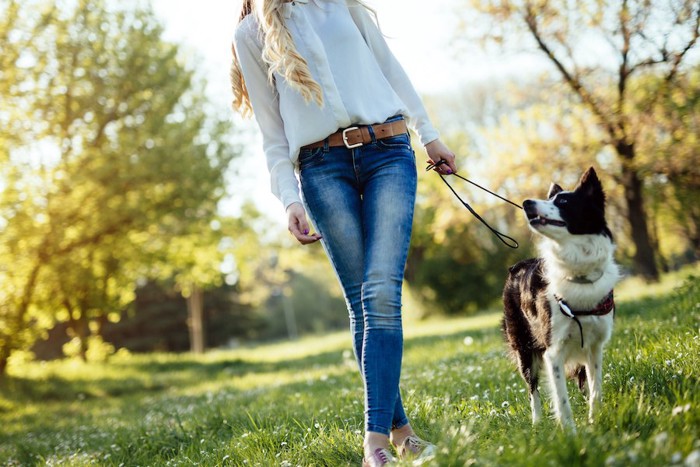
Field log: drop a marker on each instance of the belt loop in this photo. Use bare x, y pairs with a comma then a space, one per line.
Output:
371, 134
326, 145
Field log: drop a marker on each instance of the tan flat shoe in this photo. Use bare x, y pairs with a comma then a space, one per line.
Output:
415, 448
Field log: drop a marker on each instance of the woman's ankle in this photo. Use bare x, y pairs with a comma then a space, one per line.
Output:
374, 441
399, 435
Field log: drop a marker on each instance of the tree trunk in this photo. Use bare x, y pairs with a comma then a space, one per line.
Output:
290, 317
4, 357
644, 261
9, 345
195, 320
83, 339
78, 327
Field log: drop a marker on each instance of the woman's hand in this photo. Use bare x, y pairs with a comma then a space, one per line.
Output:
437, 151
299, 226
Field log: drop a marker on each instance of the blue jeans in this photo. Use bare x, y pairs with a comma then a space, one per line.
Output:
361, 201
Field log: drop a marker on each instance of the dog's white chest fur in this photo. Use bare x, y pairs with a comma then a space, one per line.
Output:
580, 270
573, 343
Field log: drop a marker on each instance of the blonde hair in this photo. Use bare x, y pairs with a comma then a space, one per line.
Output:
279, 52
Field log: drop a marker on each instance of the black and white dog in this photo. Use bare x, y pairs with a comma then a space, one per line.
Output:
559, 307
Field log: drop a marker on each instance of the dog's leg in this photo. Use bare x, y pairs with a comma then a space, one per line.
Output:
554, 363
594, 371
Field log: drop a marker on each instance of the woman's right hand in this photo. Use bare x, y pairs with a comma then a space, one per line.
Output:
299, 226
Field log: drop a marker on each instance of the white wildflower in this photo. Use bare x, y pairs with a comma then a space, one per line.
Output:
693, 459
680, 409
661, 439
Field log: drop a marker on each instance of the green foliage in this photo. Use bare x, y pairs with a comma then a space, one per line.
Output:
671, 160
114, 159
455, 265
157, 320
625, 77
300, 403
308, 302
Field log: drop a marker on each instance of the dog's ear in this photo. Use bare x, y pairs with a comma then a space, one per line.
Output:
590, 185
553, 190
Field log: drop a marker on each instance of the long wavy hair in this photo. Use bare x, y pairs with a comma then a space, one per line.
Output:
279, 53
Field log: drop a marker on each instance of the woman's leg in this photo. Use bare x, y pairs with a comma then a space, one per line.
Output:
388, 175
346, 194
333, 199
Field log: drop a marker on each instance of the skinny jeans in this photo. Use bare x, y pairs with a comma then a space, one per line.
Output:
361, 201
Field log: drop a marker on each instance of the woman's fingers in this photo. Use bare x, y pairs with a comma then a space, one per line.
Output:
299, 226
437, 152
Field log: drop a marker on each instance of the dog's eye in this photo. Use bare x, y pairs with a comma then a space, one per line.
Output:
561, 201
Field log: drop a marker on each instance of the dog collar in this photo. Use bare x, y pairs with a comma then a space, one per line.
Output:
603, 307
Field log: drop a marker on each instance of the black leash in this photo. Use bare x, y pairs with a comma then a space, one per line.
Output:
507, 241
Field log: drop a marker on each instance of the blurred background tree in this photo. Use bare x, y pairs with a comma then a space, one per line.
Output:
623, 62
113, 157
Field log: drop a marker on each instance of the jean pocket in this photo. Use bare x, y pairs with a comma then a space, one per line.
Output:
309, 157
402, 141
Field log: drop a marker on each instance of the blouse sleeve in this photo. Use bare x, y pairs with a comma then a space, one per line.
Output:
394, 72
265, 102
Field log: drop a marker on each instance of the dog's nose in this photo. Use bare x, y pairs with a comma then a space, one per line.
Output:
530, 208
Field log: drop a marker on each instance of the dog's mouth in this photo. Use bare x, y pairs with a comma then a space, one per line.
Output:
539, 221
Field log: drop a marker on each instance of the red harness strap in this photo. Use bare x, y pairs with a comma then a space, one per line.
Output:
603, 307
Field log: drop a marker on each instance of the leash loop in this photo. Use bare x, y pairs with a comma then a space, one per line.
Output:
505, 239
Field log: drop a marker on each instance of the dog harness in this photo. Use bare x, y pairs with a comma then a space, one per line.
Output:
604, 307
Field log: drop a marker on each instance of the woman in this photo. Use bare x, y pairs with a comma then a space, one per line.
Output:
330, 100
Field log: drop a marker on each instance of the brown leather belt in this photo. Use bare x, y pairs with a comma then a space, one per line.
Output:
356, 136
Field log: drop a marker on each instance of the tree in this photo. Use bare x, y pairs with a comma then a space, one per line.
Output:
601, 50
117, 155
671, 155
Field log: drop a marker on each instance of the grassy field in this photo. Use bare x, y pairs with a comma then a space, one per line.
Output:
301, 403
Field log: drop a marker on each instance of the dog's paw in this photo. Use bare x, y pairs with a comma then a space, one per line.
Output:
568, 425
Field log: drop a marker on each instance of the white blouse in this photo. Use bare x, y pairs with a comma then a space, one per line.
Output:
362, 84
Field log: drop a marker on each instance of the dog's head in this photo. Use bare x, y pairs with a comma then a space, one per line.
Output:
564, 213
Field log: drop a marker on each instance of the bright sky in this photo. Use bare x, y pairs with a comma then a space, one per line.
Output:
418, 31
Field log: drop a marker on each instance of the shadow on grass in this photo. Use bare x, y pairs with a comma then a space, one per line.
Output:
142, 375
57, 388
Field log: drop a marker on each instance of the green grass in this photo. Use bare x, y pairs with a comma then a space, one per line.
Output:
300, 403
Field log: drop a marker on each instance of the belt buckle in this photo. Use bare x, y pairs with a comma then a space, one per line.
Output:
345, 138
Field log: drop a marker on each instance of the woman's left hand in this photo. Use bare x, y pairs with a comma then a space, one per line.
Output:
437, 151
